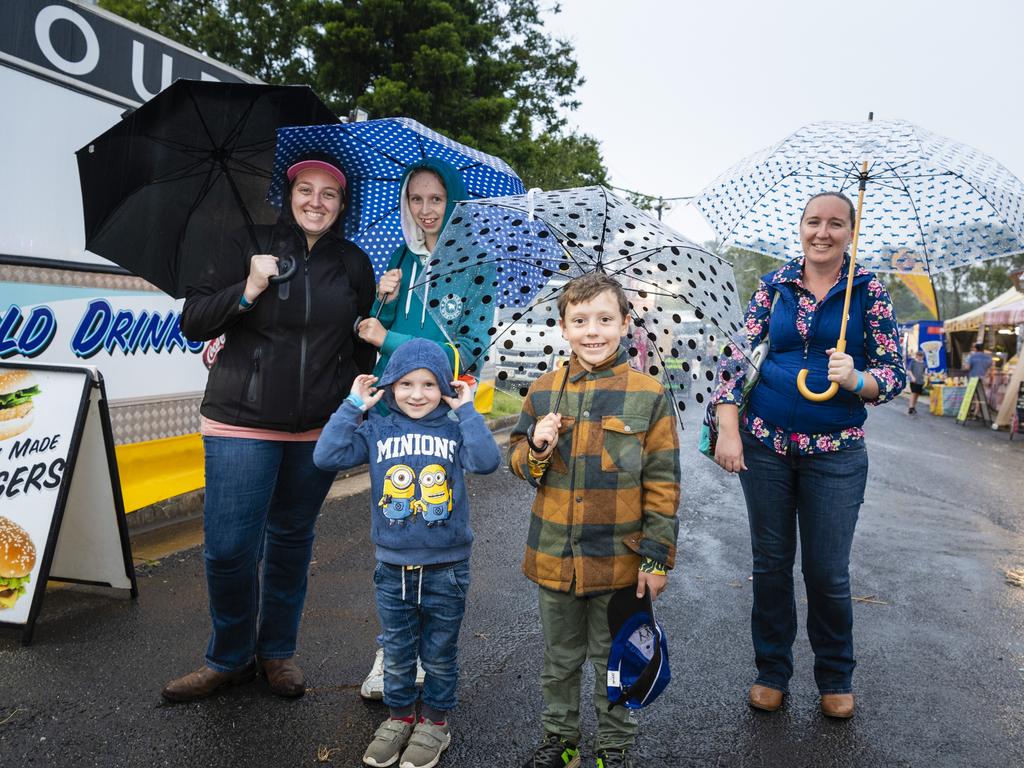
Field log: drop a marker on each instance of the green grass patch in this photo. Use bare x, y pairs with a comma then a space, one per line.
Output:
505, 404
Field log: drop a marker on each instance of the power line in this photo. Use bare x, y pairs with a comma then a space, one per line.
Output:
661, 204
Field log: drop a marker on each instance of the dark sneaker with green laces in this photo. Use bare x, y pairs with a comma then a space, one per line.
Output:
614, 758
554, 752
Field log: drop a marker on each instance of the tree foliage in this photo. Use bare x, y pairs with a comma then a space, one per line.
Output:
483, 72
747, 267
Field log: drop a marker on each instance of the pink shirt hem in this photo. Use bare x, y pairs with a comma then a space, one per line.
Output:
211, 428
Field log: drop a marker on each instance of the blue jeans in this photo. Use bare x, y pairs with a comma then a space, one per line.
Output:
821, 496
262, 501
420, 614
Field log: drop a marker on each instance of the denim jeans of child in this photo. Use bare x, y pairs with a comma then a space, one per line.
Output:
819, 498
262, 502
421, 613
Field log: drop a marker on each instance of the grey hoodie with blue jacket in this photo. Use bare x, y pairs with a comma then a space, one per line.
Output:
419, 509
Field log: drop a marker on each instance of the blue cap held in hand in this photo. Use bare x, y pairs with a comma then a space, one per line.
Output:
638, 660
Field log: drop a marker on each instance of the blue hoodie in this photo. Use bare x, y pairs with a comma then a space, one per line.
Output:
406, 317
419, 509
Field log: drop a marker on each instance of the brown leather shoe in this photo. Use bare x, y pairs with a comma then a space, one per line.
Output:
284, 677
205, 681
837, 705
764, 698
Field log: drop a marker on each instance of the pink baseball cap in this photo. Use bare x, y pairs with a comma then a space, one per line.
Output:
320, 165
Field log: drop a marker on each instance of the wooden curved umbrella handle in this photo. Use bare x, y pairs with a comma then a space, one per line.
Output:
817, 397
828, 394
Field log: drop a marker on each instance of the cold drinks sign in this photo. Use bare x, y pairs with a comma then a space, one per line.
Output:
61, 514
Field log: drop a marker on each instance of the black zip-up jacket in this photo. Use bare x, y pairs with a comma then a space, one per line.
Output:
289, 361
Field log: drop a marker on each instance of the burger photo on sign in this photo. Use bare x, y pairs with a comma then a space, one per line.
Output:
17, 388
17, 559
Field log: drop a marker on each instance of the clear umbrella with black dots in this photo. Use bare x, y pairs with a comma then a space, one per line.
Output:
501, 263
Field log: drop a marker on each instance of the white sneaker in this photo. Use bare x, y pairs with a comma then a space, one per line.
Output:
373, 686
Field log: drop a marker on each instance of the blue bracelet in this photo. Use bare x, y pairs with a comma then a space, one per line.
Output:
244, 303
356, 400
860, 382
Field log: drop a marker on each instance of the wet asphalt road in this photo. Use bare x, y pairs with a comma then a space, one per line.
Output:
940, 680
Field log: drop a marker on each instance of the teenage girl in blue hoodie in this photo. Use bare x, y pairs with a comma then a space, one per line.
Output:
430, 190
417, 454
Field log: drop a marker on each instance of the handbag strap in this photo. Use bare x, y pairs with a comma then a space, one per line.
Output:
771, 311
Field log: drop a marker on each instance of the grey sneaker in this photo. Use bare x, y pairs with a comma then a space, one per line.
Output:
426, 744
614, 758
387, 743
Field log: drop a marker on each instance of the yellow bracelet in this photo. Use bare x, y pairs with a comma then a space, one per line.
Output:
537, 466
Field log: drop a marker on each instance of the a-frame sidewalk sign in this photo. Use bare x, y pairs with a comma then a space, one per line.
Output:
61, 513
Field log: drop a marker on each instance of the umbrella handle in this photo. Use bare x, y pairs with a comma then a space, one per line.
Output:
558, 402
288, 274
819, 397
360, 318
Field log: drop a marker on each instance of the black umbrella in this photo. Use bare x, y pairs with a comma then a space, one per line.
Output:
163, 189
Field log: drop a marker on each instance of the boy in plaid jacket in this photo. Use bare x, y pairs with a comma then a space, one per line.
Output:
606, 470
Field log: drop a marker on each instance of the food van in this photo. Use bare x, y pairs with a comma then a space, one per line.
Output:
69, 70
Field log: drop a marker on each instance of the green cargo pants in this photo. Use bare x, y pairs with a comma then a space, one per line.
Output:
575, 627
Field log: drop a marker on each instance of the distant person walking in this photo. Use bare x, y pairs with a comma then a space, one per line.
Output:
916, 372
979, 363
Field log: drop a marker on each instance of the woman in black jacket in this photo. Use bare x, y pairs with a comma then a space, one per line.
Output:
288, 360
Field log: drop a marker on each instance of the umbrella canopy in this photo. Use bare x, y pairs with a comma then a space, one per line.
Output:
930, 204
500, 264
375, 155
163, 189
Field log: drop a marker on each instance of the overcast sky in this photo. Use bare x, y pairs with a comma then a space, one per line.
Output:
677, 92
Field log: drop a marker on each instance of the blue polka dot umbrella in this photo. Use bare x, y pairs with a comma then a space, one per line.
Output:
925, 204
500, 264
374, 154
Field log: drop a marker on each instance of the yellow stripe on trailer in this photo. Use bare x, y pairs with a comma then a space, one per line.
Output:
155, 470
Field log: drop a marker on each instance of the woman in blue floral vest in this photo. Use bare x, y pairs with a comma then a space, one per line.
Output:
803, 464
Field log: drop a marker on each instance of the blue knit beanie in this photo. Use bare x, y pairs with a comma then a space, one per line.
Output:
419, 353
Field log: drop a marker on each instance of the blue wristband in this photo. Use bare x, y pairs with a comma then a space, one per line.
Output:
860, 382
244, 303
356, 400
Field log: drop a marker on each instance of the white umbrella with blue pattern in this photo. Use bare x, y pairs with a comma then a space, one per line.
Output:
930, 204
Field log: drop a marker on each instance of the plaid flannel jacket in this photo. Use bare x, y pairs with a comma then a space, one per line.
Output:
611, 491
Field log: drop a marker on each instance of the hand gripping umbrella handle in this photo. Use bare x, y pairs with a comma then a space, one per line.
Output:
360, 318
819, 397
558, 402
288, 274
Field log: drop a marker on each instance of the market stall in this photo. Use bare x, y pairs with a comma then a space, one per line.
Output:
964, 330
1008, 322
992, 325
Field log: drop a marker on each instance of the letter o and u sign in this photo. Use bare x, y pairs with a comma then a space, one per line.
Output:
46, 19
